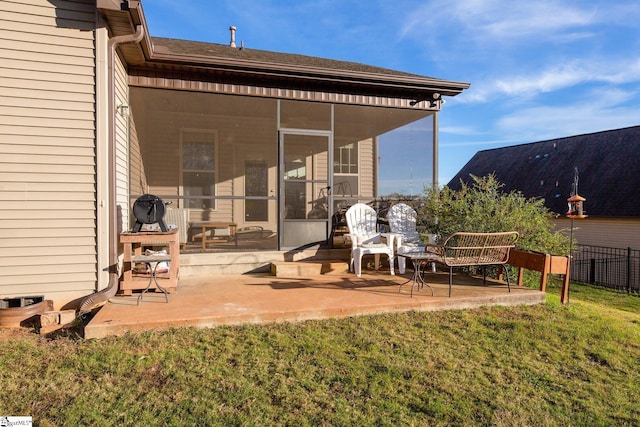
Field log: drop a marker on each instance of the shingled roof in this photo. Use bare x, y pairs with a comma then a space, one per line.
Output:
302, 67
215, 50
608, 163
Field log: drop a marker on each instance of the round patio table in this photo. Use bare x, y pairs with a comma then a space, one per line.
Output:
419, 259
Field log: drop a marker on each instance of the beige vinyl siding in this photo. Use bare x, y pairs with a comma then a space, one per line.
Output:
47, 149
137, 177
366, 168
607, 232
321, 166
122, 143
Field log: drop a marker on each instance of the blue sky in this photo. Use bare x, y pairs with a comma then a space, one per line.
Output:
538, 69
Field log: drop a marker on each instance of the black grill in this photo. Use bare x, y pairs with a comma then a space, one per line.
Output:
149, 209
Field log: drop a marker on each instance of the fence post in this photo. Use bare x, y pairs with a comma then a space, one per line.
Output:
628, 269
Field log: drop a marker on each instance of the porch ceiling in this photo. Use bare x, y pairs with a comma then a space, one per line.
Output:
357, 122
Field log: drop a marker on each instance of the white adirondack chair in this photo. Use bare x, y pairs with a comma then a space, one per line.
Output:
365, 239
178, 217
402, 222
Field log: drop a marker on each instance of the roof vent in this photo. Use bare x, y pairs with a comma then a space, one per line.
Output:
232, 43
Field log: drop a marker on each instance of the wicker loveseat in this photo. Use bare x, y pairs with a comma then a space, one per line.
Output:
474, 249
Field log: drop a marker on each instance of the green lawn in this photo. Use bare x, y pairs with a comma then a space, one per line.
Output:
531, 366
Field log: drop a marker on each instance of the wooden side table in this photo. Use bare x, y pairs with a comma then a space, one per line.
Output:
133, 243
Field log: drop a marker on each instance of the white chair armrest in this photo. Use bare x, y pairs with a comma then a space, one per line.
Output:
354, 240
390, 238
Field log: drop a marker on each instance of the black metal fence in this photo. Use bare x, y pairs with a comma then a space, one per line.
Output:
613, 268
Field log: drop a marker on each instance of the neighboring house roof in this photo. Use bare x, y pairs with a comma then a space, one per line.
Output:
608, 164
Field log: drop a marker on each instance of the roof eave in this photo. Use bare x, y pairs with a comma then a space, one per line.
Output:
444, 87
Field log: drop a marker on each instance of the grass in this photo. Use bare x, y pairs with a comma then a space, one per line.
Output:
545, 365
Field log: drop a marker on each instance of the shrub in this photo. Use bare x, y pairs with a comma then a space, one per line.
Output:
483, 207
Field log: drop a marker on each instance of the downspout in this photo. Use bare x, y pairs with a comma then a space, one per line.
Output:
97, 299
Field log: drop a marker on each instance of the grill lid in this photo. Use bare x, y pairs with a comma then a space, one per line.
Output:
149, 209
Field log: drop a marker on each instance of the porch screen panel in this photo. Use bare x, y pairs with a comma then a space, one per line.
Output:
216, 156
305, 115
405, 159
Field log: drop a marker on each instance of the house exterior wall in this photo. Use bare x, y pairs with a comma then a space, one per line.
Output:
366, 168
137, 176
48, 149
122, 130
607, 232
55, 137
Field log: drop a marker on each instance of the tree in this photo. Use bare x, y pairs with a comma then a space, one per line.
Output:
483, 207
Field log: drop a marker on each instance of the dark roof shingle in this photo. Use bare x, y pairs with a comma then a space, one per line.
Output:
215, 50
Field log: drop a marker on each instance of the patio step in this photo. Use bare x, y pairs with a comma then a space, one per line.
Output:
231, 263
309, 268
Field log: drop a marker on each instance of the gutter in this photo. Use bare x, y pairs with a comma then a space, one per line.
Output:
90, 302
202, 55
305, 72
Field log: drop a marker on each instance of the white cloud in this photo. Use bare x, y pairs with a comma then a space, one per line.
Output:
623, 72
544, 122
554, 78
458, 130
500, 20
511, 20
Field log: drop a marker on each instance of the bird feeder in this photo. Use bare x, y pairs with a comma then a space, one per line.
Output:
576, 211
576, 206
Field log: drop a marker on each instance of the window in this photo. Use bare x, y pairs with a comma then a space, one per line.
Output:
345, 159
199, 169
345, 169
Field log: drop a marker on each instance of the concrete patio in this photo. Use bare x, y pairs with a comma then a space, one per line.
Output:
213, 300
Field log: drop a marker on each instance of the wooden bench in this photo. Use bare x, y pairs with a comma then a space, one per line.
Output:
474, 249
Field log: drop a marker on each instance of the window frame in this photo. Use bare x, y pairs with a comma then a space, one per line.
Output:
184, 203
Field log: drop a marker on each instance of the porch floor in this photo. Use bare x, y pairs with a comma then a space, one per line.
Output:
214, 300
